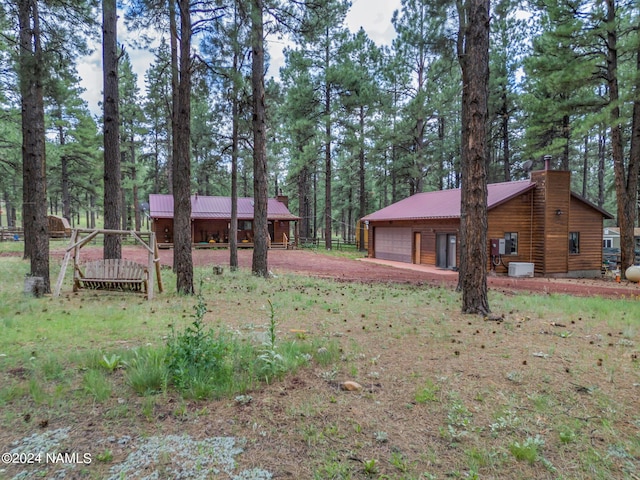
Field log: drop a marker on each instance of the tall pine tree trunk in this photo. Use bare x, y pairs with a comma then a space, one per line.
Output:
473, 51
626, 181
602, 154
33, 142
173, 41
123, 193
362, 210
182, 243
135, 193
233, 225
328, 171
112, 175
304, 206
235, 134
259, 264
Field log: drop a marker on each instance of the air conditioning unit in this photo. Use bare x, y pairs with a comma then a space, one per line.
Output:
520, 269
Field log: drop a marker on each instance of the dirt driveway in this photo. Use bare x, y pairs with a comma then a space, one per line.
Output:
371, 270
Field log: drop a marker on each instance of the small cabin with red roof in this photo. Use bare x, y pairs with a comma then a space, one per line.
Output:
211, 217
540, 220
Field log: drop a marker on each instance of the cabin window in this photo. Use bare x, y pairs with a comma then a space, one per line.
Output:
607, 243
574, 242
244, 225
511, 243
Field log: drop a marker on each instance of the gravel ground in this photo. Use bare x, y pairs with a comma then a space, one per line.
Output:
156, 457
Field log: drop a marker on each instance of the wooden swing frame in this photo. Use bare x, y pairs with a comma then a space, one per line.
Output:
120, 275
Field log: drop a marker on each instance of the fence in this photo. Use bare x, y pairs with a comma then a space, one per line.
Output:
10, 234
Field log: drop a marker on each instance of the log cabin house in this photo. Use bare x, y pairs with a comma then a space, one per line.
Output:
539, 224
211, 217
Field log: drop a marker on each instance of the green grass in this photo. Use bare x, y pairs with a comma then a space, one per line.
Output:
96, 385
428, 393
528, 450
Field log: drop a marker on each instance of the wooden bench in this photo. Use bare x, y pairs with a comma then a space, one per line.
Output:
112, 274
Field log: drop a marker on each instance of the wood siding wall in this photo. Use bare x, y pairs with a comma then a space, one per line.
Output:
512, 217
588, 222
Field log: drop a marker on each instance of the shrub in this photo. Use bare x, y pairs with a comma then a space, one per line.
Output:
196, 356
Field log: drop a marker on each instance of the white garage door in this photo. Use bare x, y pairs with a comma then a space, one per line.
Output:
393, 244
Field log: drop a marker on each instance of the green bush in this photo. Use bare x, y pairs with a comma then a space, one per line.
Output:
196, 356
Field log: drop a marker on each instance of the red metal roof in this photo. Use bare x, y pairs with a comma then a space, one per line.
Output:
203, 207
446, 203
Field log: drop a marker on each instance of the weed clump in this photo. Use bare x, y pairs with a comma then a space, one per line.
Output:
196, 357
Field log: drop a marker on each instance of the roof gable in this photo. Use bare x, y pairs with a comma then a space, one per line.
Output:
580, 198
205, 207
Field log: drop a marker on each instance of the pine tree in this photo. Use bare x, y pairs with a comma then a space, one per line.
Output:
131, 129
421, 39
182, 241
259, 264
157, 109
361, 100
111, 125
626, 172
73, 171
31, 75
300, 113
508, 48
320, 38
227, 51
473, 51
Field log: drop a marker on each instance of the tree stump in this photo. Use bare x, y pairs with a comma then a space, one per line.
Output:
34, 286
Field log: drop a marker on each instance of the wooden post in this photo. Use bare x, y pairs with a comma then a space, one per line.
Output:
150, 269
65, 262
156, 260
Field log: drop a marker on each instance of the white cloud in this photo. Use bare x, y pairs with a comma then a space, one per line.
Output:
90, 71
375, 17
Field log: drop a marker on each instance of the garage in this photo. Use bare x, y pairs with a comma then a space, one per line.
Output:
393, 243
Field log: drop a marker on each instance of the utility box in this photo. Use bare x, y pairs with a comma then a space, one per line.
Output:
520, 269
497, 246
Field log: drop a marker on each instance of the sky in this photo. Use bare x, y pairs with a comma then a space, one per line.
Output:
373, 15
